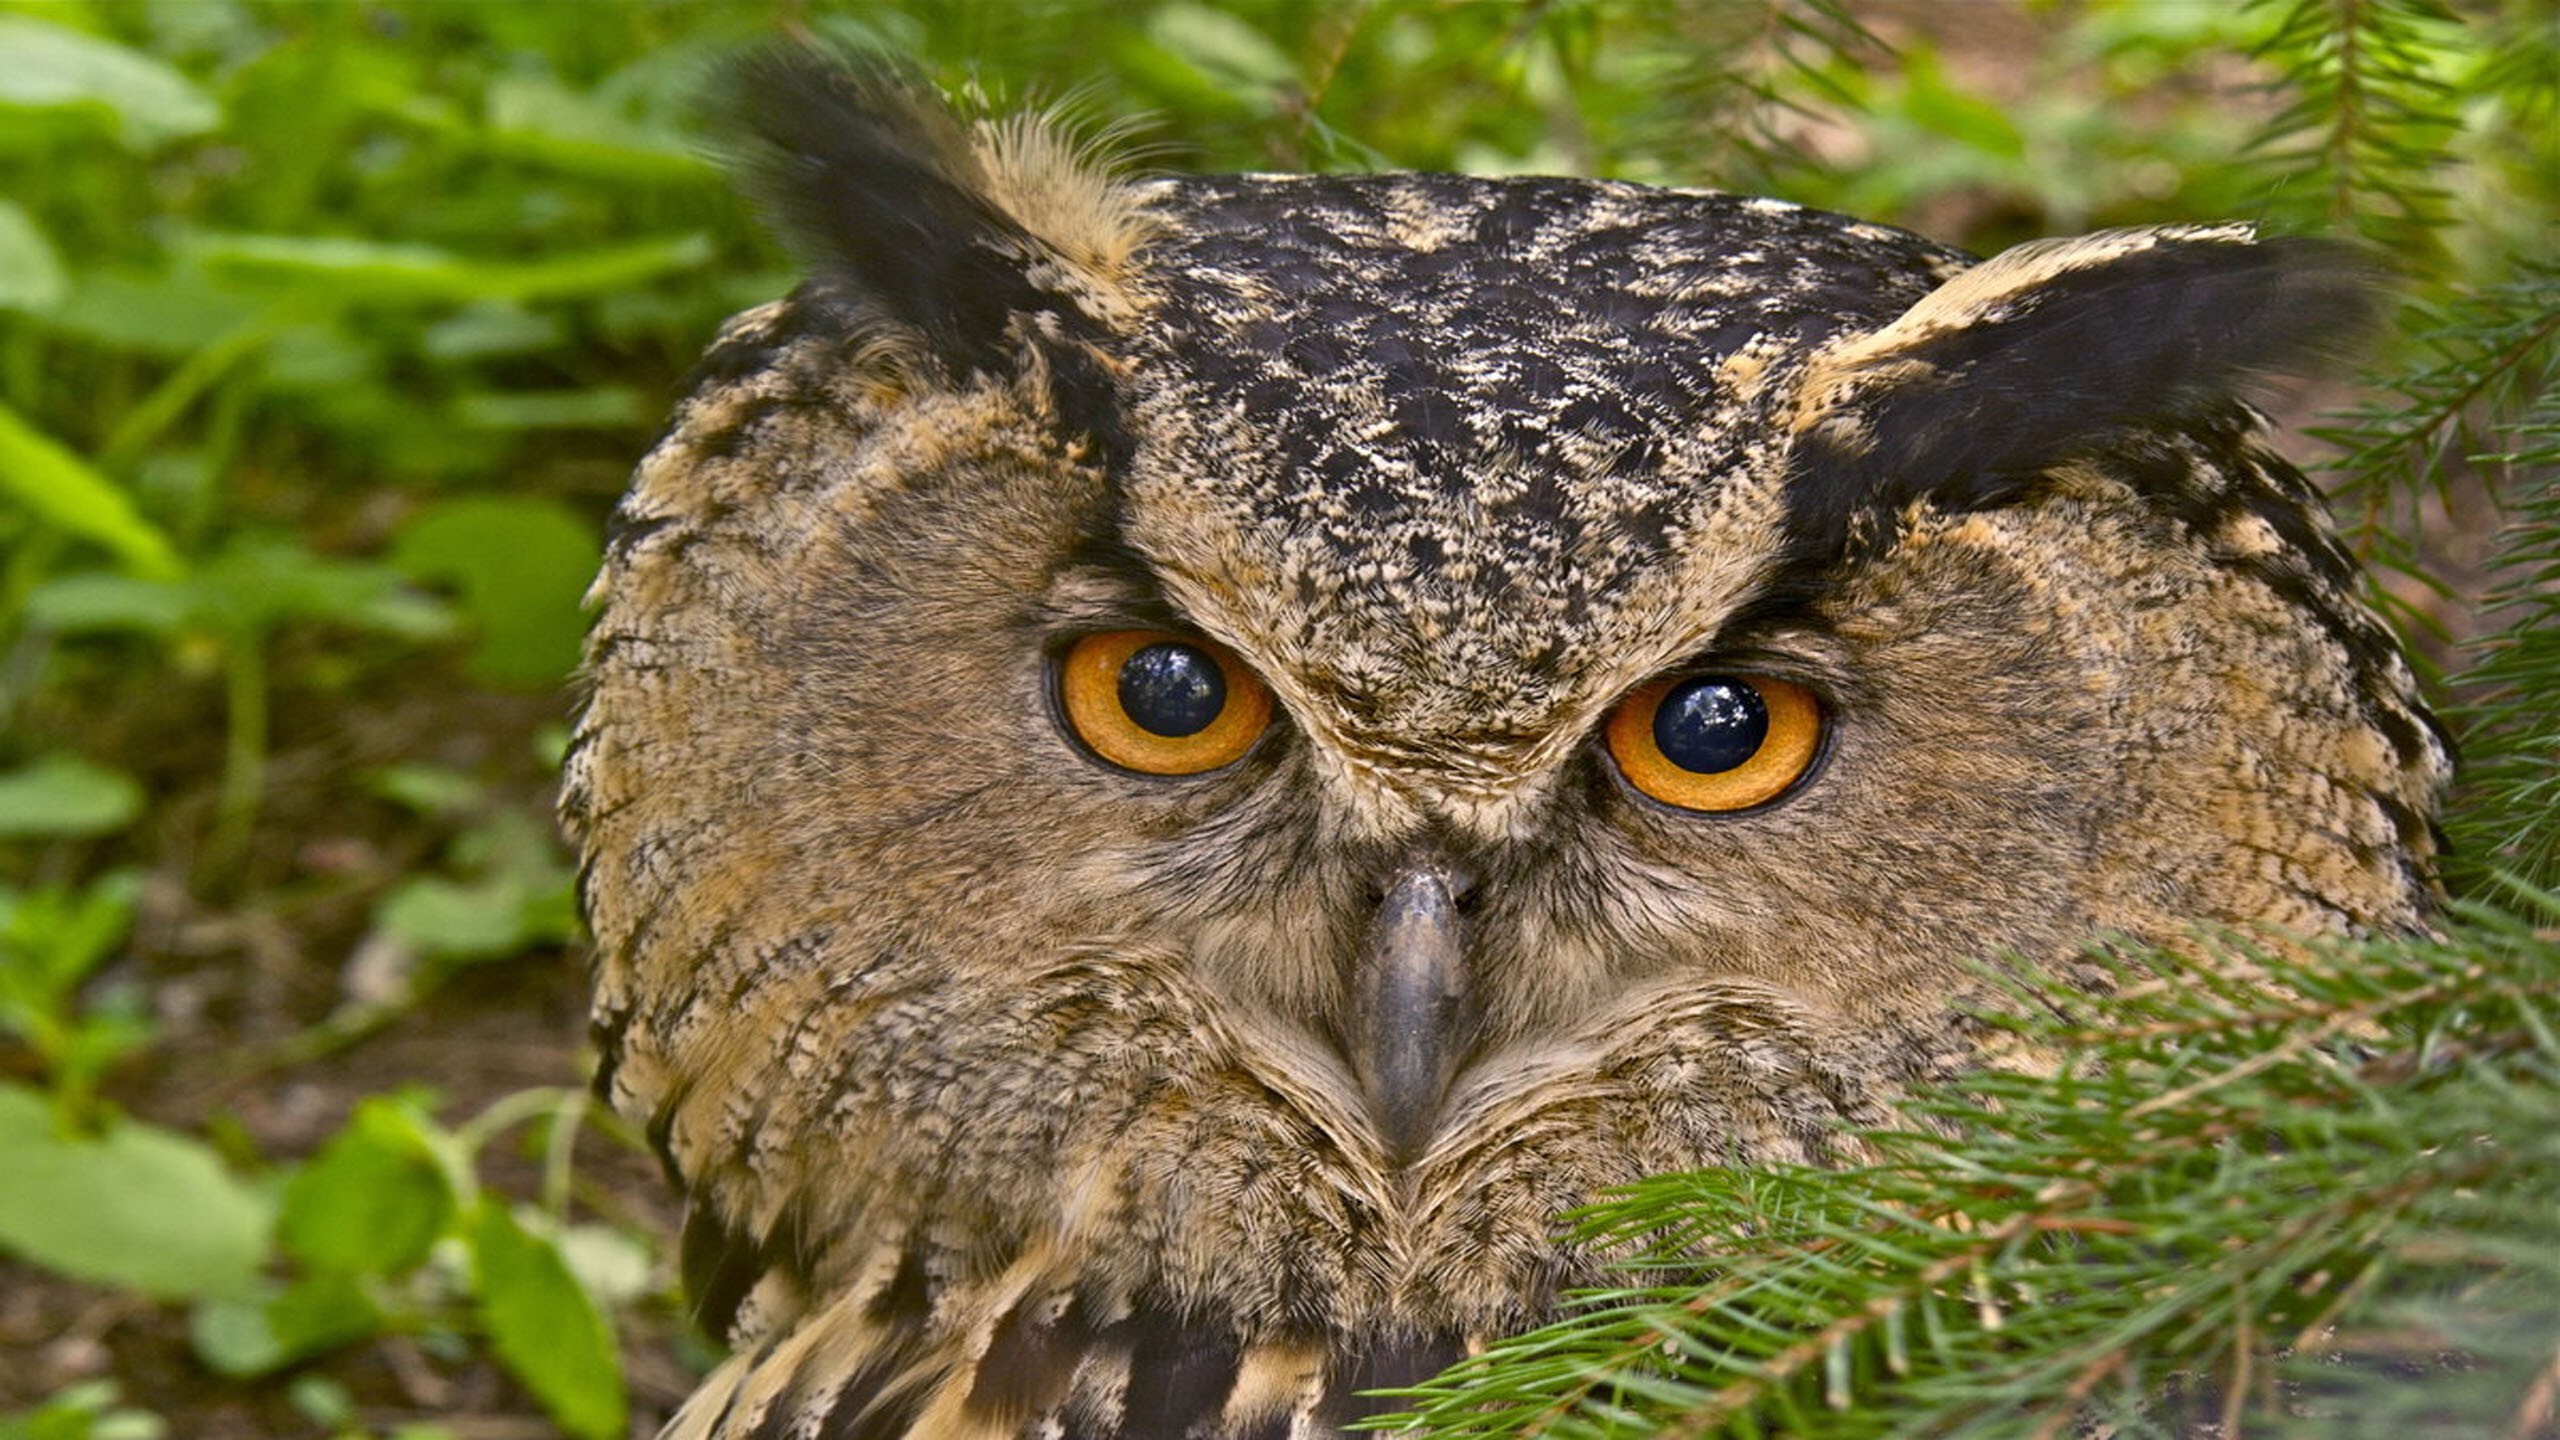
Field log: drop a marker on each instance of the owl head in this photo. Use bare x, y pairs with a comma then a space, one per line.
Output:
1174, 767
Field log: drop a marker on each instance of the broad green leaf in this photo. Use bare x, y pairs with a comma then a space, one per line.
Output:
538, 119
371, 1202
324, 1402
93, 601
521, 566
545, 1327
323, 266
64, 491
31, 275
447, 920
175, 313
610, 1264
138, 1206
259, 1335
46, 66
431, 790
1933, 102
327, 358
1222, 45
508, 841
601, 407
480, 330
64, 795
259, 581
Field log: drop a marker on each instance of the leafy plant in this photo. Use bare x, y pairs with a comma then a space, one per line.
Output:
388, 1229
509, 887
52, 938
87, 1411
134, 1205
229, 610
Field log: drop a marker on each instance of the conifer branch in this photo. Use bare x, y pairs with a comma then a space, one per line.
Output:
2198, 1179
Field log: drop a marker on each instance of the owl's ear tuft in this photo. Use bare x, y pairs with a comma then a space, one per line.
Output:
896, 204
2049, 350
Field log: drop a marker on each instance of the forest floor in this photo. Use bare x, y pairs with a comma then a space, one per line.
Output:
264, 1034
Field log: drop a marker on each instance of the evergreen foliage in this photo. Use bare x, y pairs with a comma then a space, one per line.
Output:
2512, 720
2320, 1206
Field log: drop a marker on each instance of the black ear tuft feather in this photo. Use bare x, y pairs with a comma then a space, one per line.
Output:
875, 186
2048, 351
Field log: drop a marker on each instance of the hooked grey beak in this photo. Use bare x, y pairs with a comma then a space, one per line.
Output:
1410, 1013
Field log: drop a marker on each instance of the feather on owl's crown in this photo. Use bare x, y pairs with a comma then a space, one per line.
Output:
1002, 248
1378, 388
996, 246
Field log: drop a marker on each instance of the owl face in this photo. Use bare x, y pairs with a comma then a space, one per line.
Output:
1174, 769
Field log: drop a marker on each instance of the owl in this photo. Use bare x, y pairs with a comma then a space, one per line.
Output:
1173, 767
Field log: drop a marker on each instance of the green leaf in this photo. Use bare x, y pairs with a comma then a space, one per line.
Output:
94, 601
448, 920
599, 407
174, 314
1222, 46
522, 566
544, 1327
138, 1206
538, 119
1935, 104
263, 1334
85, 1410
612, 1265
336, 267
46, 66
435, 791
257, 582
52, 937
31, 275
64, 491
64, 795
372, 1201
478, 331
323, 1401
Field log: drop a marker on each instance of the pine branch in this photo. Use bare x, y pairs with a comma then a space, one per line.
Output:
2489, 354
1755, 62
2221, 1179
2370, 123
2511, 730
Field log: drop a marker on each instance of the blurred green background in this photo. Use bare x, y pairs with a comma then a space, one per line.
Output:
328, 334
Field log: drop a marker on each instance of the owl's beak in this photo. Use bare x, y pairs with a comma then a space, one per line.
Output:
1410, 1020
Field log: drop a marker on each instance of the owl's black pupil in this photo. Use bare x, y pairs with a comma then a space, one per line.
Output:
1171, 689
1710, 725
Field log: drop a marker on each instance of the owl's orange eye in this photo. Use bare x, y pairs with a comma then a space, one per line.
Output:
1715, 742
1161, 703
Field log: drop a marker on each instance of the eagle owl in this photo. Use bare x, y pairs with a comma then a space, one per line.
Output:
1175, 766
